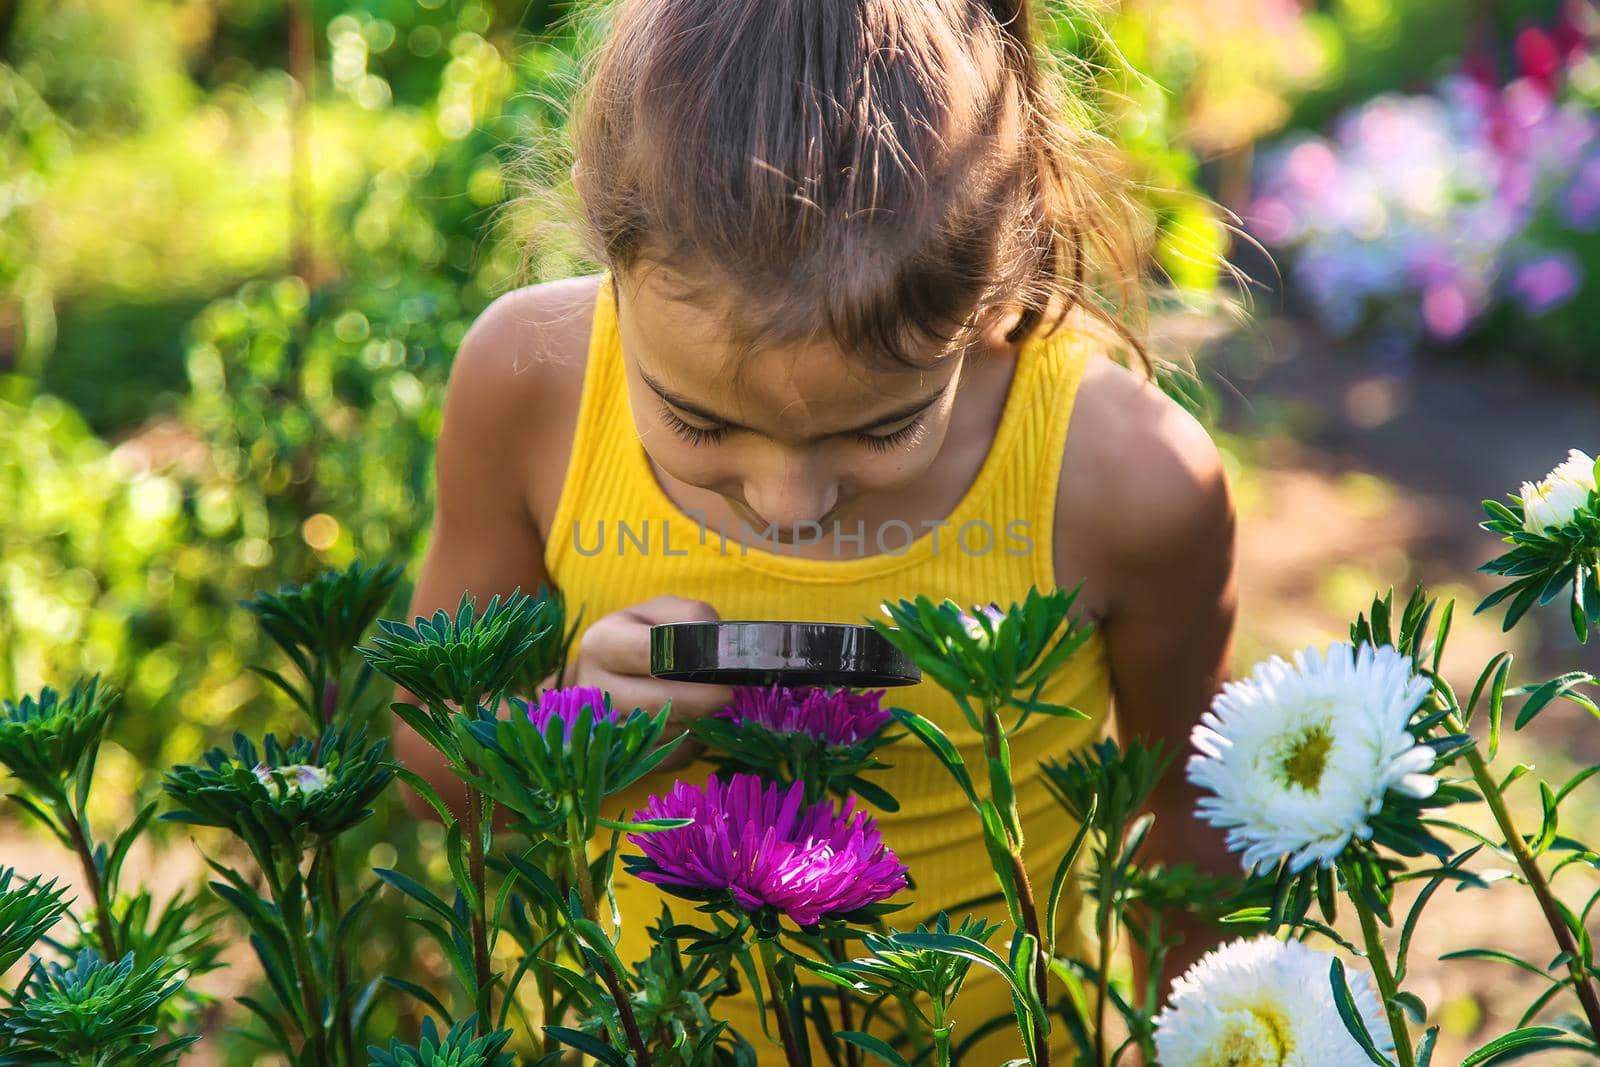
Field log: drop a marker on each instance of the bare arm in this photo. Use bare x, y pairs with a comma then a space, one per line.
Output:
503, 447
484, 538
1163, 532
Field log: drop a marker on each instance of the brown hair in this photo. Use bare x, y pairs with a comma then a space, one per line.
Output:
877, 170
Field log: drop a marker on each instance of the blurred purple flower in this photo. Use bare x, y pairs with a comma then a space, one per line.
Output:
768, 848
1580, 203
1410, 219
837, 717
1547, 282
567, 705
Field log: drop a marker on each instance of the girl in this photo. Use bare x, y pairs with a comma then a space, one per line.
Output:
849, 345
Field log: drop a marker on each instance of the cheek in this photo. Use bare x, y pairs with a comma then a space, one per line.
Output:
870, 470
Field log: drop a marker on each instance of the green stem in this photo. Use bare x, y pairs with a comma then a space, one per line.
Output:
852, 1055
295, 927
630, 1025
1103, 975
1378, 960
994, 750
91, 875
342, 1023
483, 995
578, 857
941, 1036
793, 1053
1582, 980
578, 860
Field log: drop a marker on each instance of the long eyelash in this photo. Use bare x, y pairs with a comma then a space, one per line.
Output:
695, 435
890, 441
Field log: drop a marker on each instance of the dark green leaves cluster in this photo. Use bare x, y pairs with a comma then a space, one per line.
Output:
46, 739
992, 657
920, 962
751, 748
94, 1012
318, 625
460, 1047
327, 616
1542, 566
471, 658
27, 911
275, 817
546, 777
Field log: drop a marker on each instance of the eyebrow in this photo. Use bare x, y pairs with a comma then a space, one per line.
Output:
690, 407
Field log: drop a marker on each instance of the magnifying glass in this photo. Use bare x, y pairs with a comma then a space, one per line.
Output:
791, 654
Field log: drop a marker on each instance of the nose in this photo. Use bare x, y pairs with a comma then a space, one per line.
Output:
791, 495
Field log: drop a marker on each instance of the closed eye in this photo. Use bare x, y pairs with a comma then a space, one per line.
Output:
712, 435
889, 441
695, 435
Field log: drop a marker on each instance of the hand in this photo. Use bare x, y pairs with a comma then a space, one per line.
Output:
614, 654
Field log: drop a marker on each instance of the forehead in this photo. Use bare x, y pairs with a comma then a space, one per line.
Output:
808, 386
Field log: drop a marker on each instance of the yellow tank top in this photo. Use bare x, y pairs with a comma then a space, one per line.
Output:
610, 483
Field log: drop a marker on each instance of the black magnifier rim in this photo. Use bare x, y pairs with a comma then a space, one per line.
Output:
749, 652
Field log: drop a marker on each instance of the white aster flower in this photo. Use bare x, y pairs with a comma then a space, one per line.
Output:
1298, 757
302, 778
1265, 1003
1558, 498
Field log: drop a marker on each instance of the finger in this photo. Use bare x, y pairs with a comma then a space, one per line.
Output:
617, 644
689, 700
672, 609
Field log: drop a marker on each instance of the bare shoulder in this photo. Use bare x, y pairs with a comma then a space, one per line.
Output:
1141, 481
517, 379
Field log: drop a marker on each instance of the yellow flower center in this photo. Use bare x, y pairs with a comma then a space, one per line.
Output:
1258, 1037
1305, 756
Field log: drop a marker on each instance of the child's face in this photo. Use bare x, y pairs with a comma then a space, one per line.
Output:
786, 435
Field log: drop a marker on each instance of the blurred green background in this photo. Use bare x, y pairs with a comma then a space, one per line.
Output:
240, 241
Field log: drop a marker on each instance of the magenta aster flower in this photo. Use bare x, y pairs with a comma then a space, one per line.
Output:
568, 704
836, 717
767, 848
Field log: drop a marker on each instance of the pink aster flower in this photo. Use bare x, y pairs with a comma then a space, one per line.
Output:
837, 717
568, 704
764, 845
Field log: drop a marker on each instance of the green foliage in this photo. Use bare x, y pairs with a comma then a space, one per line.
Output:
470, 658
1547, 563
27, 911
281, 798
460, 1047
49, 741
999, 658
95, 1011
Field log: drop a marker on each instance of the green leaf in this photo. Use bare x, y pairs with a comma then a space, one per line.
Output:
941, 746
1547, 828
418, 892
967, 948
1351, 1017
417, 991
1522, 1039
588, 1045
877, 1047
1426, 1045
1063, 869
1498, 955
